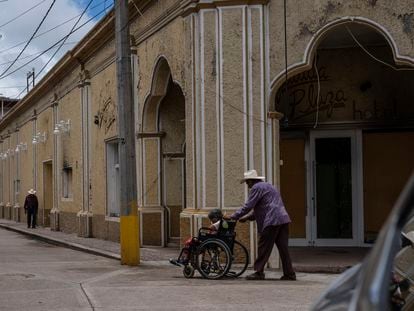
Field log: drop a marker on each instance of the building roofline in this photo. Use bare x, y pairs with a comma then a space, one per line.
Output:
99, 35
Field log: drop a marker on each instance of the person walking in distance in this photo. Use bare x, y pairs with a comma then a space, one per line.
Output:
265, 205
30, 208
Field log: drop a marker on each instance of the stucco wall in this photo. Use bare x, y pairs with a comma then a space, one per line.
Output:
306, 19
104, 106
69, 150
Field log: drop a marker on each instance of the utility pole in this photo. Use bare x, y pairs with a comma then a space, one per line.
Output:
2, 106
30, 74
126, 146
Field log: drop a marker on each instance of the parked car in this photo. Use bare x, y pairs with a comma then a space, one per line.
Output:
385, 279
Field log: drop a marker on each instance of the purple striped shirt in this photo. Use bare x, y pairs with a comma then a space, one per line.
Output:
267, 205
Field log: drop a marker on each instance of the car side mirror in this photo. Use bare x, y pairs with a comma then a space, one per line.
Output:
407, 239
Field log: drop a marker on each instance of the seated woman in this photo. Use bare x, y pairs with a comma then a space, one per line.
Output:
216, 222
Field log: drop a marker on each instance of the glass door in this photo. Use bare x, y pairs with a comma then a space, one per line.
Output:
333, 193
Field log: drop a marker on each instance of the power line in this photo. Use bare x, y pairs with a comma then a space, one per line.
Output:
375, 58
27, 56
49, 30
21, 14
11, 87
51, 47
63, 42
286, 54
319, 93
30, 40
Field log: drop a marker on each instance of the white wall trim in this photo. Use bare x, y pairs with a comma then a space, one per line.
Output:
221, 136
219, 89
247, 126
202, 118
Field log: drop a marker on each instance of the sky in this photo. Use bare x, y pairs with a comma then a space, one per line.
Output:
14, 35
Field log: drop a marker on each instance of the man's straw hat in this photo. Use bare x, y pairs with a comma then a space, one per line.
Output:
251, 174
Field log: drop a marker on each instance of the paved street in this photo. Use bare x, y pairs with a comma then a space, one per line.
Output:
38, 276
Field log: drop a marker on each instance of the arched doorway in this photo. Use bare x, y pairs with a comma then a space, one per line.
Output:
162, 160
346, 136
171, 121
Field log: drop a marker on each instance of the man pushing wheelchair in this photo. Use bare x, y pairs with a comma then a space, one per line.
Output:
265, 206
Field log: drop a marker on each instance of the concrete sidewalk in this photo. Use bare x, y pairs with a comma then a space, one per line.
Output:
38, 276
94, 246
305, 259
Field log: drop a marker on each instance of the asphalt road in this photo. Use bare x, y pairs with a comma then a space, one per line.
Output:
38, 276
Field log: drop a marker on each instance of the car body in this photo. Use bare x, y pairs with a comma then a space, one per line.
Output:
385, 279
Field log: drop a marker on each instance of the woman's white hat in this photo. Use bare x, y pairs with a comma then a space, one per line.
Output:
31, 191
251, 174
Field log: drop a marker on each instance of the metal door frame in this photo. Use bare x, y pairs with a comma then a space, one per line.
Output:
357, 191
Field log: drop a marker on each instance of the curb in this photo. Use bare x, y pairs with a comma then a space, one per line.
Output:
320, 269
110, 255
50, 240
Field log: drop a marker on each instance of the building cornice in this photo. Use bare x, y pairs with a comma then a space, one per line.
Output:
103, 32
194, 6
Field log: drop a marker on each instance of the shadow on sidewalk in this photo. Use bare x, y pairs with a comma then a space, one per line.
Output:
305, 259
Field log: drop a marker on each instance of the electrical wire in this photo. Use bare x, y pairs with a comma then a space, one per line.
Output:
21, 14
18, 96
49, 30
51, 47
372, 56
31, 55
252, 116
30, 40
63, 42
319, 94
11, 87
136, 7
286, 55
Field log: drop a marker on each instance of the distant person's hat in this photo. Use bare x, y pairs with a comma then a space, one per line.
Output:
32, 191
251, 174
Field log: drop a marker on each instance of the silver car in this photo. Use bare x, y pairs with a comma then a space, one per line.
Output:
385, 279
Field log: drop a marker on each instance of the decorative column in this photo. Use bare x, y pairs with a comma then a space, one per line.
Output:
9, 204
85, 214
138, 142
230, 131
274, 117
2, 179
54, 212
16, 188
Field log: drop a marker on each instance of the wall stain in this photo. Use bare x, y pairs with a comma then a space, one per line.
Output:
107, 109
408, 22
372, 2
309, 28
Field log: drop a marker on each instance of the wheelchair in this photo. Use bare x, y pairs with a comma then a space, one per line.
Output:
217, 255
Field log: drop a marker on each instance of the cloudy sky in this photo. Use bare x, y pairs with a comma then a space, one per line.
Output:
18, 21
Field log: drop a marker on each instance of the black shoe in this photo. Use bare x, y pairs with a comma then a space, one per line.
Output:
291, 277
33, 227
256, 276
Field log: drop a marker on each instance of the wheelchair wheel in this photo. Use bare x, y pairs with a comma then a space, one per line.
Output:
188, 271
240, 260
213, 259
